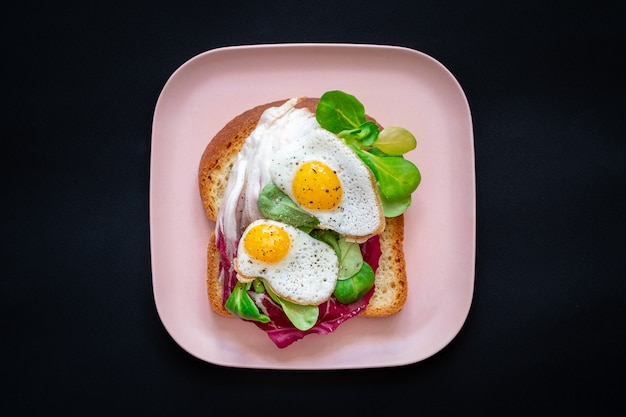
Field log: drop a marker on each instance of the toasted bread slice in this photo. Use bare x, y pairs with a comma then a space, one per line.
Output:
391, 285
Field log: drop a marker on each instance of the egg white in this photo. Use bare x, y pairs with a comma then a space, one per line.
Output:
307, 275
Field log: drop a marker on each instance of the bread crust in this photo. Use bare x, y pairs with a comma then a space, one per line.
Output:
391, 284
213, 283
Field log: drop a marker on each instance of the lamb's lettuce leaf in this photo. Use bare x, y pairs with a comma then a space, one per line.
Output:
338, 111
396, 176
241, 305
354, 288
274, 204
303, 317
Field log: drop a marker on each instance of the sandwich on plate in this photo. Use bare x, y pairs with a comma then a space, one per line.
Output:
308, 198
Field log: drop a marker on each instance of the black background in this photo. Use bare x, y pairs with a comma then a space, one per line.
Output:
545, 84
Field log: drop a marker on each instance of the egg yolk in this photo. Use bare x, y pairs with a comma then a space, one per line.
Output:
267, 242
316, 186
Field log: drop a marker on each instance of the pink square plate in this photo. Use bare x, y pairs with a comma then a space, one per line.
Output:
398, 86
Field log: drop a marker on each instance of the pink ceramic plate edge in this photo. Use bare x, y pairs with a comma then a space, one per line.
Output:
398, 86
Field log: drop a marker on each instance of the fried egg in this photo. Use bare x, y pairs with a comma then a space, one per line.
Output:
295, 265
328, 180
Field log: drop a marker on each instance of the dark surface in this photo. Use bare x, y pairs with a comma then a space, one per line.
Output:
545, 84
